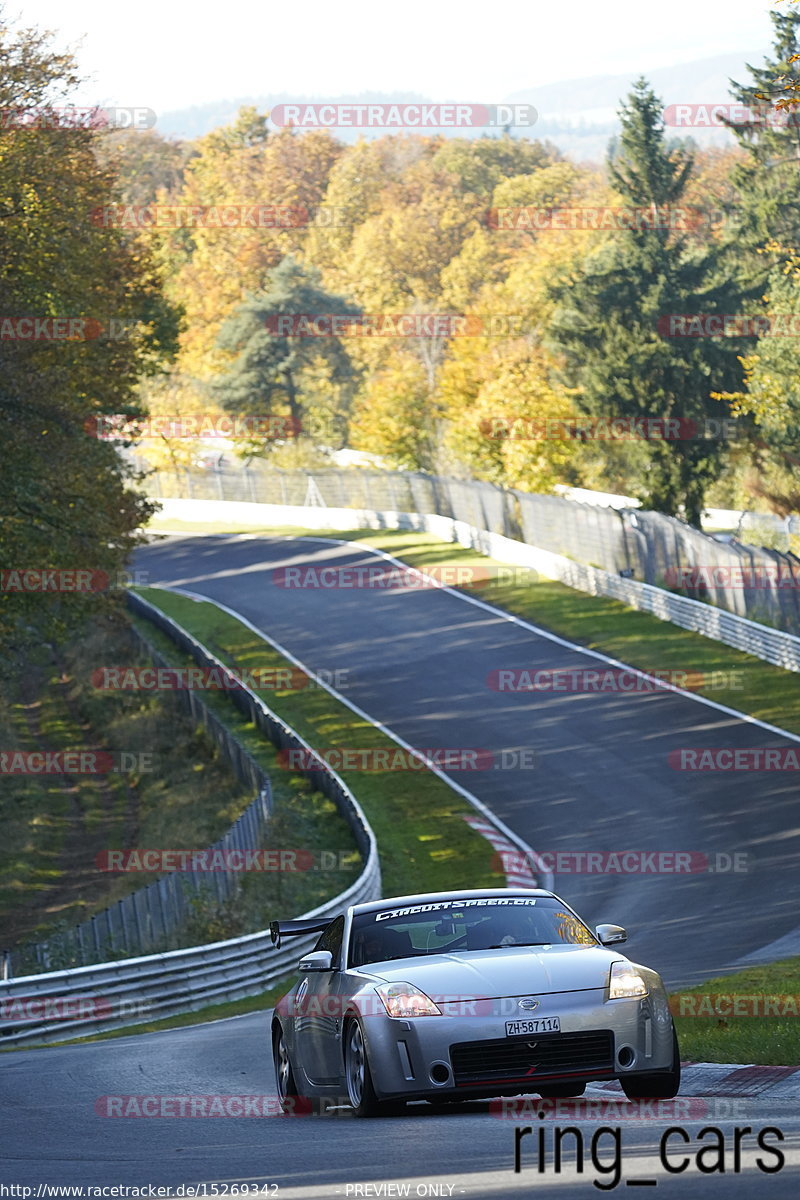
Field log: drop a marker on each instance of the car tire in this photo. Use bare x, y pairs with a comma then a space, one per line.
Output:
289, 1098
361, 1094
561, 1091
663, 1085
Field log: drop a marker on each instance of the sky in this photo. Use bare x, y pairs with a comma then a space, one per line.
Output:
171, 54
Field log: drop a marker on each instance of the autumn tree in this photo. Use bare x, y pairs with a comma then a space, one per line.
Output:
67, 499
480, 164
146, 165
505, 422
395, 417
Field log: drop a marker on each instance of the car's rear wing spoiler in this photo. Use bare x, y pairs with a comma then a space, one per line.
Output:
281, 929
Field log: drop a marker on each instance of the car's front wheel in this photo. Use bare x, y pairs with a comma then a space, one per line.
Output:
662, 1085
360, 1091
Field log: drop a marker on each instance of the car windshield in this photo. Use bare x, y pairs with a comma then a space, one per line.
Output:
446, 926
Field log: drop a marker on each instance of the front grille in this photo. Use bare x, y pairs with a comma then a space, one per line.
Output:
534, 1057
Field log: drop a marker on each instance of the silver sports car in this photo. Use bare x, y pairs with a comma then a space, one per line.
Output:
458, 995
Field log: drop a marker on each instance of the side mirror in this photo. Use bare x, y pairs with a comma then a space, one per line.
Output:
317, 960
610, 935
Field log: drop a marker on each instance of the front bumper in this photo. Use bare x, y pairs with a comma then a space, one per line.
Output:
470, 1055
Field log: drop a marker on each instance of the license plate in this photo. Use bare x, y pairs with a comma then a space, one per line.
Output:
533, 1025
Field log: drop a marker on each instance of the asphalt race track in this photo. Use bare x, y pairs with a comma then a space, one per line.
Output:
418, 661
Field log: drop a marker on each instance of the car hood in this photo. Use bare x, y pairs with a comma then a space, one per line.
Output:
488, 974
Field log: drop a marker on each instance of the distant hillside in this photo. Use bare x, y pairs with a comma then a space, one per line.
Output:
202, 118
578, 115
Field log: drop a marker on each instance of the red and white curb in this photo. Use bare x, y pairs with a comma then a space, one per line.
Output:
521, 874
732, 1079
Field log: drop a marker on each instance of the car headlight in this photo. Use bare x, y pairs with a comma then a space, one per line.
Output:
405, 1000
625, 982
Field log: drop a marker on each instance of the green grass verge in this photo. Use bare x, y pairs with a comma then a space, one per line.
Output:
424, 842
728, 1038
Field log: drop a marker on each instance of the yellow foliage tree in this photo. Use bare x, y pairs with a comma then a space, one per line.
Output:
504, 422
394, 416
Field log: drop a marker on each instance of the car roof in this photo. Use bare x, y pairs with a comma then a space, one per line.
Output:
455, 894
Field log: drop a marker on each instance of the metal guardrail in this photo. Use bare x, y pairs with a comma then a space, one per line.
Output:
772, 645
83, 1000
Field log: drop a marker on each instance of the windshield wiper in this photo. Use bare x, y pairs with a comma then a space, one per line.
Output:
506, 945
411, 954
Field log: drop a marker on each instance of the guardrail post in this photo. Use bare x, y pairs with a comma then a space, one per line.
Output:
110, 939
137, 923
79, 928
124, 923
6, 964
